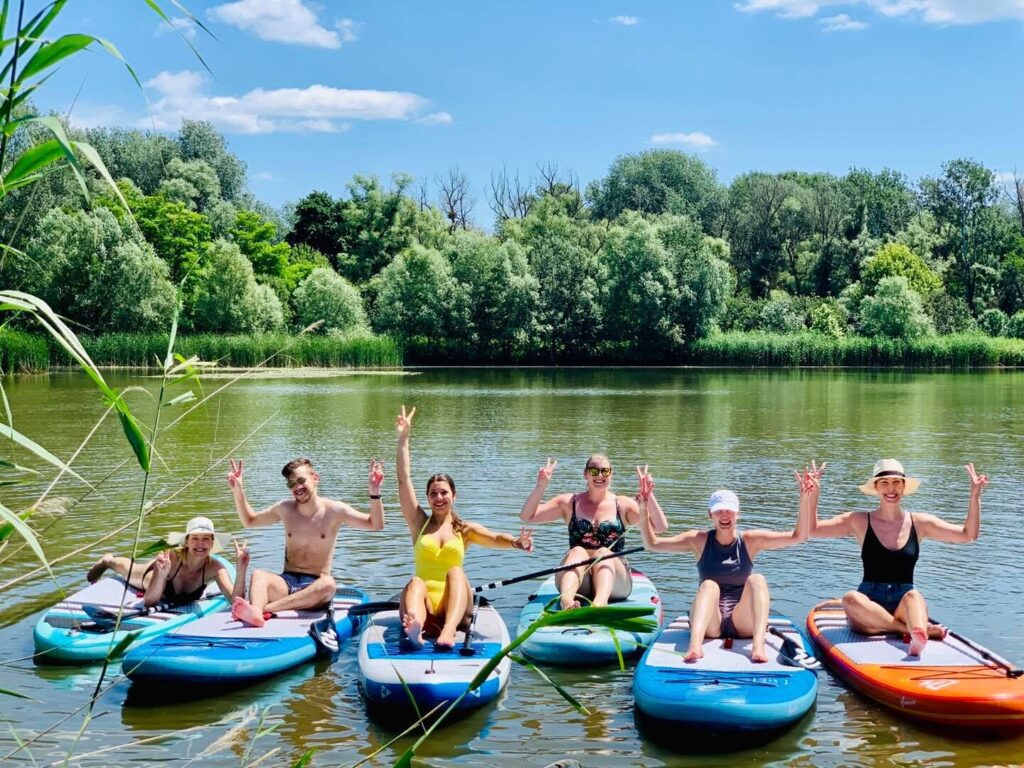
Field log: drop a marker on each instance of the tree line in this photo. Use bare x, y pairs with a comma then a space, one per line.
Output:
639, 264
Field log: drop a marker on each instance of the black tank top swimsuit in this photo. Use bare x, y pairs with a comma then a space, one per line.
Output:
889, 566
171, 595
610, 533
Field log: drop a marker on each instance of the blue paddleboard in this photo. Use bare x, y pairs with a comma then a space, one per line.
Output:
725, 690
67, 634
393, 675
582, 645
219, 649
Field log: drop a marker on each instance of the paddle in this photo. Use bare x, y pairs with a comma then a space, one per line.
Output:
1011, 671
793, 654
104, 617
325, 635
390, 605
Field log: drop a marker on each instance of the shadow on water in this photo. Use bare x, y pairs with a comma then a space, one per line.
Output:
708, 740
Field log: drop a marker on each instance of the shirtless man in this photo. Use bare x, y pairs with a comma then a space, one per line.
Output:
311, 526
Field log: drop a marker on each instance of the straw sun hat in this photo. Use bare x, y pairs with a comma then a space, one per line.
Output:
199, 525
889, 468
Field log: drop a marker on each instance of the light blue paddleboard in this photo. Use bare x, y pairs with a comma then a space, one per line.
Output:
67, 634
219, 649
725, 691
392, 674
582, 645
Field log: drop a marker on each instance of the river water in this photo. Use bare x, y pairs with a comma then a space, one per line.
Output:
698, 430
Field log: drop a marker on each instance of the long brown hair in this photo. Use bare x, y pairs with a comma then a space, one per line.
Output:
443, 477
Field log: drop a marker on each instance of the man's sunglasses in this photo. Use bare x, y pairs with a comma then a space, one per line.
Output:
595, 471
296, 481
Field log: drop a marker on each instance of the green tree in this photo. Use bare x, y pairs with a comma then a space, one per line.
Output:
199, 140
993, 322
896, 310
659, 181
227, 297
257, 239
950, 314
418, 295
780, 314
700, 270
757, 204
193, 183
326, 296
880, 204
140, 156
897, 259
179, 236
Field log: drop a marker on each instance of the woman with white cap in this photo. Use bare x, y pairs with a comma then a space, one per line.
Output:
179, 575
886, 600
731, 601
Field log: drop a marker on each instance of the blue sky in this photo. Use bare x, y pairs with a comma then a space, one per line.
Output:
310, 93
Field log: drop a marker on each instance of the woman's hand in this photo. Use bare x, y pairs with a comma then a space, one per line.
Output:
403, 423
376, 476
241, 553
545, 472
810, 480
645, 483
525, 540
162, 563
978, 482
235, 475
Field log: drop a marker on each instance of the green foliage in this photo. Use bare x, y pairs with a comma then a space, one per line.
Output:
829, 319
501, 293
227, 297
1015, 326
659, 181
700, 269
780, 314
895, 259
878, 204
136, 155
179, 236
326, 296
993, 322
418, 295
22, 352
894, 310
256, 237
199, 140
950, 314
193, 183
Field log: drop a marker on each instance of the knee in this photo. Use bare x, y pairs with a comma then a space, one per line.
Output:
709, 588
324, 588
757, 582
416, 585
913, 596
259, 578
852, 599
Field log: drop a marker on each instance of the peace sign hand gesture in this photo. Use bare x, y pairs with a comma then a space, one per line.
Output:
376, 476
545, 472
978, 482
235, 475
645, 483
241, 553
525, 540
403, 423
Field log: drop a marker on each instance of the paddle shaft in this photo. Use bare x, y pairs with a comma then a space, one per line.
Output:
1011, 671
556, 569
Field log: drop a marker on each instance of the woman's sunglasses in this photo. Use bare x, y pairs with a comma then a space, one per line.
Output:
595, 471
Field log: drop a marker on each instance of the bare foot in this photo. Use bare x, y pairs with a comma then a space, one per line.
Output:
758, 656
242, 610
918, 641
413, 631
94, 573
567, 603
692, 656
937, 631
445, 641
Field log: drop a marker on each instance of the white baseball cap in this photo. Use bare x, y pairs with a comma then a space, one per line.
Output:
723, 499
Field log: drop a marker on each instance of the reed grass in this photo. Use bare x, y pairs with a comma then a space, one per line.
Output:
22, 352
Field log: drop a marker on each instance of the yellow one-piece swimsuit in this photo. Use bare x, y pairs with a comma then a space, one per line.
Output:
433, 563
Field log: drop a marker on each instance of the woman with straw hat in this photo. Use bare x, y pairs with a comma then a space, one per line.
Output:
179, 575
886, 600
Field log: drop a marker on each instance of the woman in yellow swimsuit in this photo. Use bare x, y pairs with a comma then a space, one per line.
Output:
438, 599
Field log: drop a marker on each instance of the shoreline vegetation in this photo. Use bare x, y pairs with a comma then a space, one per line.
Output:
22, 352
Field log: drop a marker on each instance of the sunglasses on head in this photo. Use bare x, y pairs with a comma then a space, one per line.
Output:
297, 481
595, 471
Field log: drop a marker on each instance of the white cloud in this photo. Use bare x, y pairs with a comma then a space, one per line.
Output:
347, 28
283, 21
841, 23
435, 118
97, 115
180, 24
262, 176
946, 12
313, 109
696, 140
1006, 177
626, 21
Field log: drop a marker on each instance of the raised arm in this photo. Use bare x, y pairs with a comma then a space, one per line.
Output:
552, 510
230, 589
645, 491
249, 517
474, 533
807, 484
689, 541
932, 527
414, 516
374, 520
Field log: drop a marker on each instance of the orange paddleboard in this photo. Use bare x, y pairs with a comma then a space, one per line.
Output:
955, 681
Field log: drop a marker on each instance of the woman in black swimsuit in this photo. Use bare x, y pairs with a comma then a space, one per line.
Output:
180, 575
597, 520
886, 600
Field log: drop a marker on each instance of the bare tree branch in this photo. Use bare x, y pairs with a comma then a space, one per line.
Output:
456, 199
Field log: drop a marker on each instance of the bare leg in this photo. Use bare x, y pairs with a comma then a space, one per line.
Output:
568, 582
610, 578
705, 619
319, 593
456, 602
750, 616
413, 610
264, 586
913, 612
119, 565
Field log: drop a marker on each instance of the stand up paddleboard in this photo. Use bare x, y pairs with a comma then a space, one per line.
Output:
78, 630
221, 650
954, 682
393, 675
725, 691
582, 645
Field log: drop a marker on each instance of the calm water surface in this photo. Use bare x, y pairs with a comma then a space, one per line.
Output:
698, 430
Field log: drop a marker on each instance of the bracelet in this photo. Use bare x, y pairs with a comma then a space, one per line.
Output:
374, 495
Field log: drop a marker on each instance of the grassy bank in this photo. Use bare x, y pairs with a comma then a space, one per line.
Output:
22, 352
